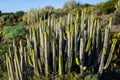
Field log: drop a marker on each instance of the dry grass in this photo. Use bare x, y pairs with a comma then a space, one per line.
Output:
116, 28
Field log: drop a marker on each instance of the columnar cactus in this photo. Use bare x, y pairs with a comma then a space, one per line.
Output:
81, 55
60, 63
61, 45
104, 52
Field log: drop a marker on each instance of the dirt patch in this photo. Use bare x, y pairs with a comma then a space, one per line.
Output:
116, 28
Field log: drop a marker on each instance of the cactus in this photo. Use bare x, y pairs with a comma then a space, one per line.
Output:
69, 54
81, 55
9, 68
76, 44
111, 53
18, 66
104, 52
46, 54
60, 63
61, 45
54, 55
42, 48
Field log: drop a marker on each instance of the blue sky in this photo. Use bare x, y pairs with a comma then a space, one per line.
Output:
25, 5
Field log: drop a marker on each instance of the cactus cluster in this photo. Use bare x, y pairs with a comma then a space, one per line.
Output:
61, 46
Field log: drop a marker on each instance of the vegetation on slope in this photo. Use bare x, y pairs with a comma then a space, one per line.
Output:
46, 23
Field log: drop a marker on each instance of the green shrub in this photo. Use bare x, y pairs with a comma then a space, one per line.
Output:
12, 32
91, 77
117, 13
117, 8
108, 7
71, 4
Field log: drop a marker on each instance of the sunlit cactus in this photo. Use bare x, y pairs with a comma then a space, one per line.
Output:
69, 54
46, 54
9, 68
110, 53
61, 46
81, 53
54, 52
104, 52
60, 57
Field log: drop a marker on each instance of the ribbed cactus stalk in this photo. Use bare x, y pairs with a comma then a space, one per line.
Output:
111, 53
105, 47
25, 65
91, 52
29, 60
34, 40
37, 35
35, 66
14, 46
91, 25
90, 32
48, 33
69, 52
88, 45
54, 52
46, 54
30, 33
35, 52
9, 68
42, 48
71, 43
68, 19
18, 69
21, 55
94, 34
25, 56
10, 53
81, 55
98, 37
39, 65
82, 26
104, 52
28, 44
76, 44
52, 23
90, 38
60, 61
85, 37
49, 21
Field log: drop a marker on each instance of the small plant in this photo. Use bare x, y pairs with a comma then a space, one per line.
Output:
12, 32
91, 77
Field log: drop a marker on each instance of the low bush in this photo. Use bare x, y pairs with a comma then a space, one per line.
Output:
11, 32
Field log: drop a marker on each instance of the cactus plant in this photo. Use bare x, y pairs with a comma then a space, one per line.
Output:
61, 46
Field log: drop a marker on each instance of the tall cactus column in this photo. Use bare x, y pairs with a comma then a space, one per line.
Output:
81, 55
69, 52
35, 51
46, 54
53, 51
60, 63
105, 46
9, 67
